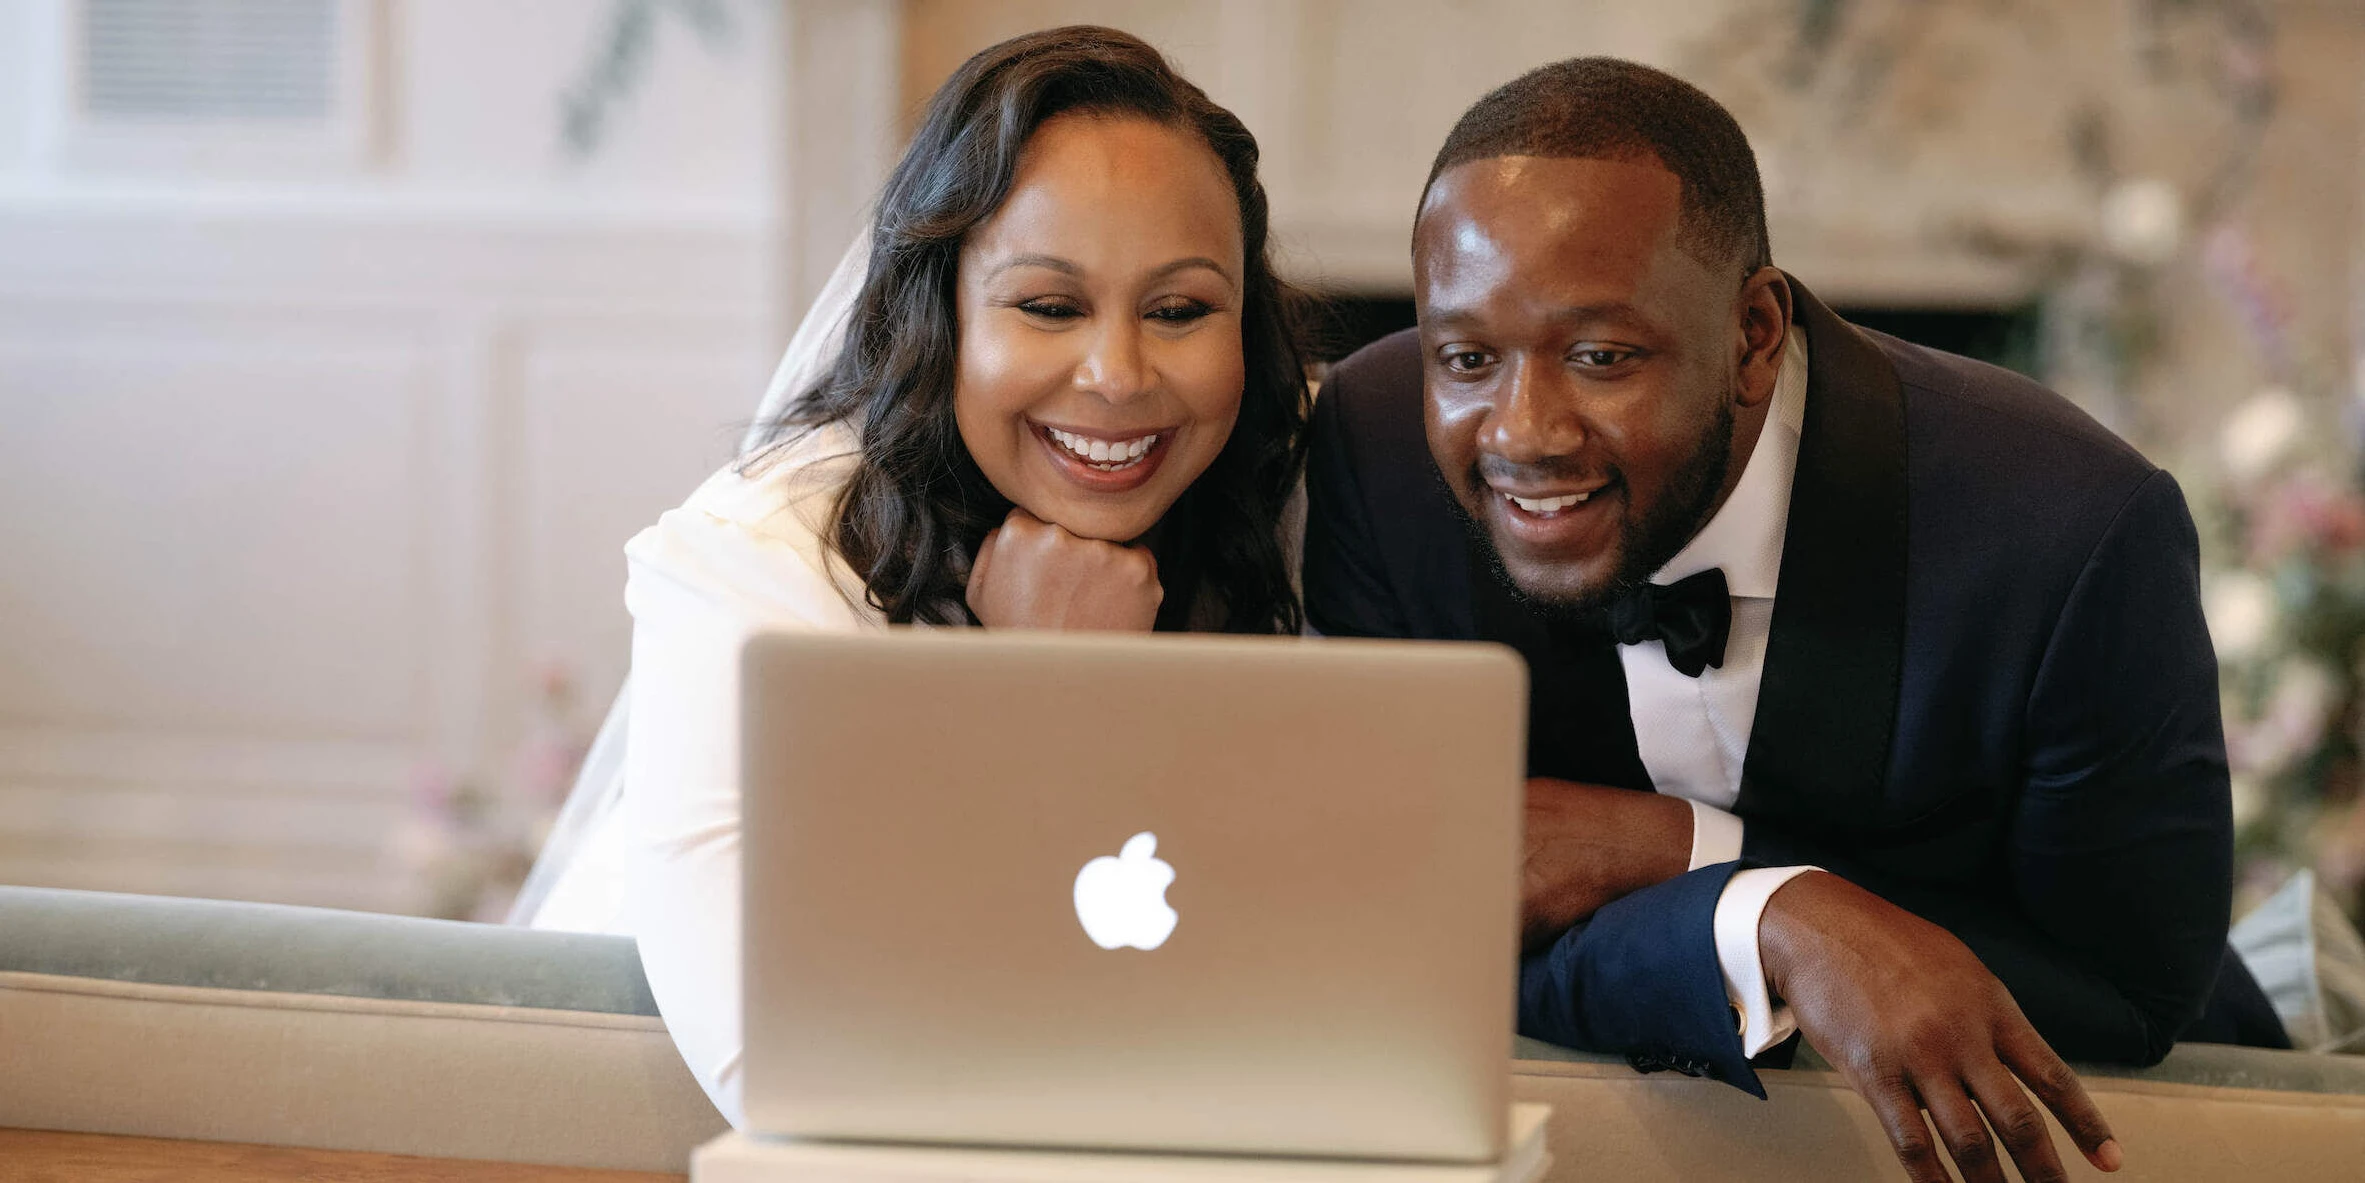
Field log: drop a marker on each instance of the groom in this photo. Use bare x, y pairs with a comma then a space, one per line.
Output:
1909, 648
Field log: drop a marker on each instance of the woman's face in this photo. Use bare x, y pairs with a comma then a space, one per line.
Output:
1100, 367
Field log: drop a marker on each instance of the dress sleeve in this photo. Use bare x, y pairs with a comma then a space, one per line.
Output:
698, 585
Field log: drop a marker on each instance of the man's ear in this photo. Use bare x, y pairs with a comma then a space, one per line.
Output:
1764, 308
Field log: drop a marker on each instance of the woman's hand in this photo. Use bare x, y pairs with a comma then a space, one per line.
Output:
1032, 574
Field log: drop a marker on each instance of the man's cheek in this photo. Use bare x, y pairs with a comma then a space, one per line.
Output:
1452, 430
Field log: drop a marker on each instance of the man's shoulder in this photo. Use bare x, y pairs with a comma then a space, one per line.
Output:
1378, 387
1959, 405
2007, 477
1368, 429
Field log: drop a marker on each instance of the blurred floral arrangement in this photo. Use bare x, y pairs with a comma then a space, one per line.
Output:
468, 842
2278, 488
2284, 589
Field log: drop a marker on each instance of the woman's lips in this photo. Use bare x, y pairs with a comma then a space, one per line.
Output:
1102, 463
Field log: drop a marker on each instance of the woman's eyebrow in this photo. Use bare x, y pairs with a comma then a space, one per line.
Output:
1049, 262
1069, 267
1191, 262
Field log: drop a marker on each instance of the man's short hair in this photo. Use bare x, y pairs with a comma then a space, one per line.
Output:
1602, 108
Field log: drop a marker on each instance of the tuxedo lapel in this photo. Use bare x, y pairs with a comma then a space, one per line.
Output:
1827, 702
1579, 725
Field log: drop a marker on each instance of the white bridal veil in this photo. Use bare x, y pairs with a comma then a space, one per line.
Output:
599, 786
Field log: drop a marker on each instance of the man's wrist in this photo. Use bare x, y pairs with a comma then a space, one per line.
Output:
1716, 836
1785, 930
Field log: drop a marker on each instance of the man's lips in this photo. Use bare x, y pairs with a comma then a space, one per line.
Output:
1547, 502
1569, 521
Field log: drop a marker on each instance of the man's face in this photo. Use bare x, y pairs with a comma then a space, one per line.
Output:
1581, 368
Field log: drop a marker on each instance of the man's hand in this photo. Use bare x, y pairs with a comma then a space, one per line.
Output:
1588, 845
1914, 1022
1032, 574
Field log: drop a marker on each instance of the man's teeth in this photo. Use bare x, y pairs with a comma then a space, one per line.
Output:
1102, 453
1546, 504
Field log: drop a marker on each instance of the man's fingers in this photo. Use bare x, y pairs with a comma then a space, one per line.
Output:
2031, 1059
2018, 1123
1900, 1113
1966, 1135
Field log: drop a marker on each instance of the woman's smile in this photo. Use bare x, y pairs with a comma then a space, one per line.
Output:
1102, 461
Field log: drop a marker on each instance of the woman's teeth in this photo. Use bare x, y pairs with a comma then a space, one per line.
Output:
1102, 454
1546, 504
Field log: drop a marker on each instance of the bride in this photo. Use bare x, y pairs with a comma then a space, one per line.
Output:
1068, 395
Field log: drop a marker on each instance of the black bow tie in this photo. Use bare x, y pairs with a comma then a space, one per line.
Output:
1692, 615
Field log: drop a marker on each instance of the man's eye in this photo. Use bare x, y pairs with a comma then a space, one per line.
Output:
1051, 309
1598, 359
1180, 311
1463, 361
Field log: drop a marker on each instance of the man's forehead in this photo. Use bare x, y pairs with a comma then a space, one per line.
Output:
1557, 190
1560, 223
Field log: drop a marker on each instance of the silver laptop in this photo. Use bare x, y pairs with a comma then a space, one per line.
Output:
1152, 893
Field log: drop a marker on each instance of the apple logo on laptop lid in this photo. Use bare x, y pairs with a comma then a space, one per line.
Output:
1121, 901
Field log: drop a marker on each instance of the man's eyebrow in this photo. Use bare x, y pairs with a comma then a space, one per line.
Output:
1457, 315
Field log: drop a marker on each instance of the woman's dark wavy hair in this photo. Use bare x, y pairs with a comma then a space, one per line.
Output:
918, 506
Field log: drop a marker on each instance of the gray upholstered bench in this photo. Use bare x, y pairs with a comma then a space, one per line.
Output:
338, 1030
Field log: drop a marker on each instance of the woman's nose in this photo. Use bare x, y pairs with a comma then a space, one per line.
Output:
1115, 368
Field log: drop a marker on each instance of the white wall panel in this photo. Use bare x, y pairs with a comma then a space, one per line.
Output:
209, 525
619, 419
305, 474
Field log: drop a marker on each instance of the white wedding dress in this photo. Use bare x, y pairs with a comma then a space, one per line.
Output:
647, 844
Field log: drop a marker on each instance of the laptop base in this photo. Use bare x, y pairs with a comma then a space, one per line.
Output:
740, 1158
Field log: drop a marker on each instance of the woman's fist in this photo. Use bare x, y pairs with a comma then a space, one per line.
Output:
1032, 574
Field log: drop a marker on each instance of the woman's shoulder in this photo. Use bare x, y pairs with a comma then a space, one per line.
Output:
755, 537
787, 490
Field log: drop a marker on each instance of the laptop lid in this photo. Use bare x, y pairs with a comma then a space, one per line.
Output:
956, 843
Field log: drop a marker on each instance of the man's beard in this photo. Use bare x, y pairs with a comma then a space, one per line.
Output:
1643, 546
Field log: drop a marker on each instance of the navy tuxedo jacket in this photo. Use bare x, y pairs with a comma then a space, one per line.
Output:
1988, 696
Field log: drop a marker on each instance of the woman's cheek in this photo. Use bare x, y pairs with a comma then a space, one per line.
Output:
1212, 393
1001, 376
1203, 371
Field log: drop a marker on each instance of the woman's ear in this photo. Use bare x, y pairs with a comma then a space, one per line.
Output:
1764, 309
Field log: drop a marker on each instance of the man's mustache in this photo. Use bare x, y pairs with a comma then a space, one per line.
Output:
1489, 470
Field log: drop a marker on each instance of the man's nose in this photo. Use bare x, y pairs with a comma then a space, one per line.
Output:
1535, 416
1116, 366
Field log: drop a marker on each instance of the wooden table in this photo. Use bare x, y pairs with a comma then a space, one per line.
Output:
45, 1156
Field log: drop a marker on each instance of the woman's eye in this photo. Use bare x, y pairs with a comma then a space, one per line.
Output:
1180, 311
1051, 309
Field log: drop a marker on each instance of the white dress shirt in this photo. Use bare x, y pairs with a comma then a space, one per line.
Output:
1694, 732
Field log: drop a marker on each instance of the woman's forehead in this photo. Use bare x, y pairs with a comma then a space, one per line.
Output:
1112, 191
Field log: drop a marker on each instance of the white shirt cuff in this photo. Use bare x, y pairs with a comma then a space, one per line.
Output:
1716, 836
1738, 911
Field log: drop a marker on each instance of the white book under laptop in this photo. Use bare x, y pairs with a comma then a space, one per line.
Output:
1145, 894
